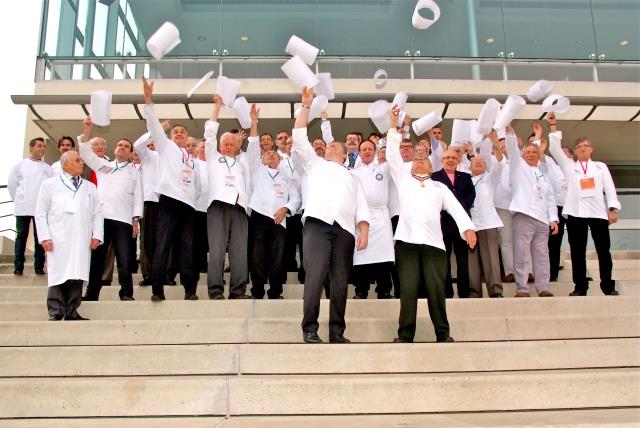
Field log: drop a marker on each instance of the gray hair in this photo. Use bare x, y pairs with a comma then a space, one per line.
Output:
65, 158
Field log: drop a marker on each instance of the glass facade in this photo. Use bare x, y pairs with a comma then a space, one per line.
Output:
590, 31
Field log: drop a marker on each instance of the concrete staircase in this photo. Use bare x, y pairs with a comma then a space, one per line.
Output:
516, 362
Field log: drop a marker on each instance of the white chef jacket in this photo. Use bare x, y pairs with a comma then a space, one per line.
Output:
421, 203
24, 183
149, 160
229, 177
202, 203
178, 178
70, 218
119, 185
532, 194
375, 182
334, 195
483, 211
588, 203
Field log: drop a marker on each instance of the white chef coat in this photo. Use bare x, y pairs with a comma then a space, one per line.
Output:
590, 202
375, 181
119, 185
150, 174
421, 203
70, 218
532, 193
202, 203
483, 211
334, 195
56, 168
229, 177
24, 183
178, 178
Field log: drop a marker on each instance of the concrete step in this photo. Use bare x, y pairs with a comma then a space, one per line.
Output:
318, 395
589, 418
386, 308
165, 360
19, 291
287, 330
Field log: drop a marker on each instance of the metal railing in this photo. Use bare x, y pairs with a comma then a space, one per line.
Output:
9, 201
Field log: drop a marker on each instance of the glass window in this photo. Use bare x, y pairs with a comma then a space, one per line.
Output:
120, 38
100, 29
617, 28
81, 20
53, 20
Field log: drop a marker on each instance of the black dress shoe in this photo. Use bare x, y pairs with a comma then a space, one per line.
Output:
496, 295
77, 318
339, 339
216, 296
577, 293
145, 283
127, 298
311, 337
55, 318
385, 296
157, 298
239, 296
39, 272
402, 340
275, 297
188, 296
612, 293
447, 339
17, 272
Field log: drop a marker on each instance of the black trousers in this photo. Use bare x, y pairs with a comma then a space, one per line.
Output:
578, 229
362, 275
174, 229
64, 299
421, 264
266, 255
394, 270
227, 225
148, 237
555, 242
293, 242
117, 234
329, 250
200, 243
453, 242
22, 232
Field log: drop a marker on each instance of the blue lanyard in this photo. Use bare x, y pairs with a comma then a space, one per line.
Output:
273, 177
67, 186
227, 163
119, 167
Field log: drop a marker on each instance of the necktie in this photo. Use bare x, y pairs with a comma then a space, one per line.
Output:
352, 160
75, 182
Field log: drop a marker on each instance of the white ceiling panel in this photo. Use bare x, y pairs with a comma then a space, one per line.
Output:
60, 111
618, 113
167, 111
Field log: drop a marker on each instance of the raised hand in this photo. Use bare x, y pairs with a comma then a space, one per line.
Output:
87, 126
307, 97
166, 125
537, 130
147, 87
254, 113
552, 121
394, 113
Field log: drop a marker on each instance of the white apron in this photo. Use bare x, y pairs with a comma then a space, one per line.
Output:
380, 246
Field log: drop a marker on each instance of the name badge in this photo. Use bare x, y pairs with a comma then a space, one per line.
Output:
587, 187
278, 190
230, 181
186, 176
539, 193
71, 206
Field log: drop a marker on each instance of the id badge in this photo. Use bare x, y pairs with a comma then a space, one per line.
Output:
278, 190
539, 193
186, 176
230, 181
587, 187
71, 206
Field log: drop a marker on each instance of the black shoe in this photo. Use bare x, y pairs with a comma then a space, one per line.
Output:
188, 296
157, 298
577, 293
170, 282
553, 279
385, 296
339, 339
275, 297
311, 337
17, 272
127, 298
496, 296
216, 296
254, 297
77, 318
447, 339
55, 318
531, 278
145, 283
612, 293
402, 340
39, 272
239, 297
86, 298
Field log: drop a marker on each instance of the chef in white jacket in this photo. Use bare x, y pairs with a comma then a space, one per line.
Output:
69, 218
23, 185
376, 261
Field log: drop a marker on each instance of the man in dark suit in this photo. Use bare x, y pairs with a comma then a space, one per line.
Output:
462, 188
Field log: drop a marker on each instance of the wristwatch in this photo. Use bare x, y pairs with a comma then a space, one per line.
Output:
613, 210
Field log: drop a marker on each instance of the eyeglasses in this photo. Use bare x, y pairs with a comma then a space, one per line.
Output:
583, 146
449, 157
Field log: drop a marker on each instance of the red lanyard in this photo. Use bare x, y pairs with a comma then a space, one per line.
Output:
420, 179
584, 167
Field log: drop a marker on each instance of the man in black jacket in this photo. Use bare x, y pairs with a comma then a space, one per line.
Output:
462, 188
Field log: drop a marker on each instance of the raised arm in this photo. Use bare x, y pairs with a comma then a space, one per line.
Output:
211, 131
301, 144
515, 160
325, 126
153, 123
253, 148
92, 160
140, 146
